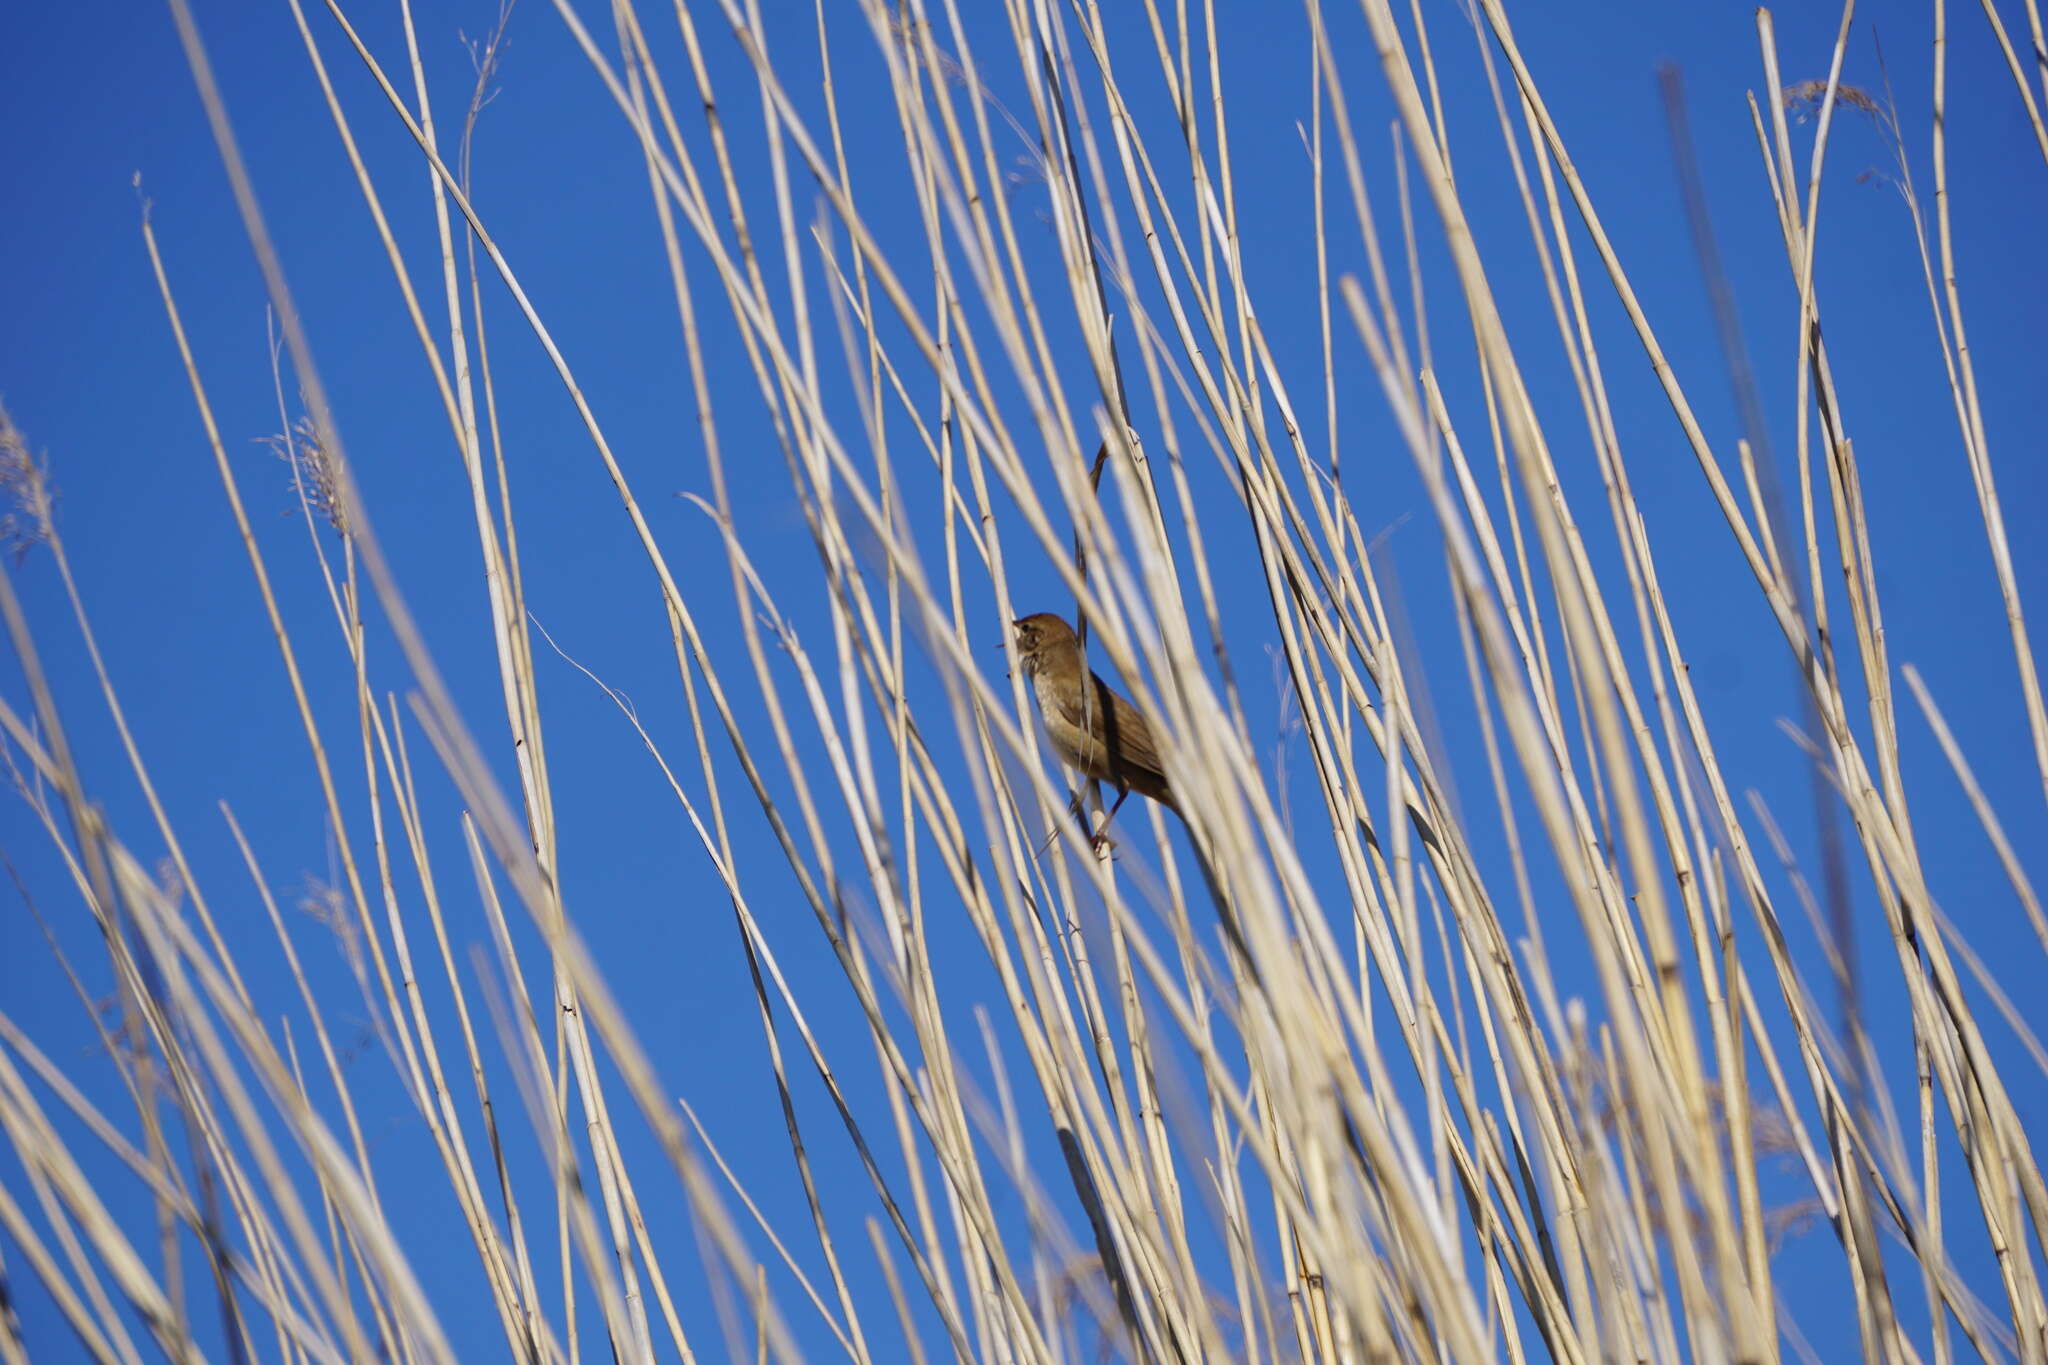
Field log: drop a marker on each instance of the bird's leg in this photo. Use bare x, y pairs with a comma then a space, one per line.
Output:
1101, 839
1073, 809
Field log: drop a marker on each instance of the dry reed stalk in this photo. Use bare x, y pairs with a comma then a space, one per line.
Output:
1301, 1086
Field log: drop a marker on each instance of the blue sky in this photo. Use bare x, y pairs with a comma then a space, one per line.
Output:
94, 93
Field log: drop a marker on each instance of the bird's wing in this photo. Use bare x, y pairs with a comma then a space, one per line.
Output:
1134, 754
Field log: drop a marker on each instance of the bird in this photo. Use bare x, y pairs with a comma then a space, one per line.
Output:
1092, 729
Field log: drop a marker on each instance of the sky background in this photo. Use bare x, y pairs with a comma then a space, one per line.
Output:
93, 94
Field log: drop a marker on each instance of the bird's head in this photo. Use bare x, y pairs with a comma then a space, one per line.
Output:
1042, 638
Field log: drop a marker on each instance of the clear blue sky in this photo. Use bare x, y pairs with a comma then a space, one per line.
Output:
92, 93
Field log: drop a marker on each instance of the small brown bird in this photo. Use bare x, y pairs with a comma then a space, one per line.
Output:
1091, 728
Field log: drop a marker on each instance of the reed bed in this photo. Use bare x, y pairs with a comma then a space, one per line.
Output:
1489, 1017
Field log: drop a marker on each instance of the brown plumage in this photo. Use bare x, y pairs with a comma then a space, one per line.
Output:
1092, 729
